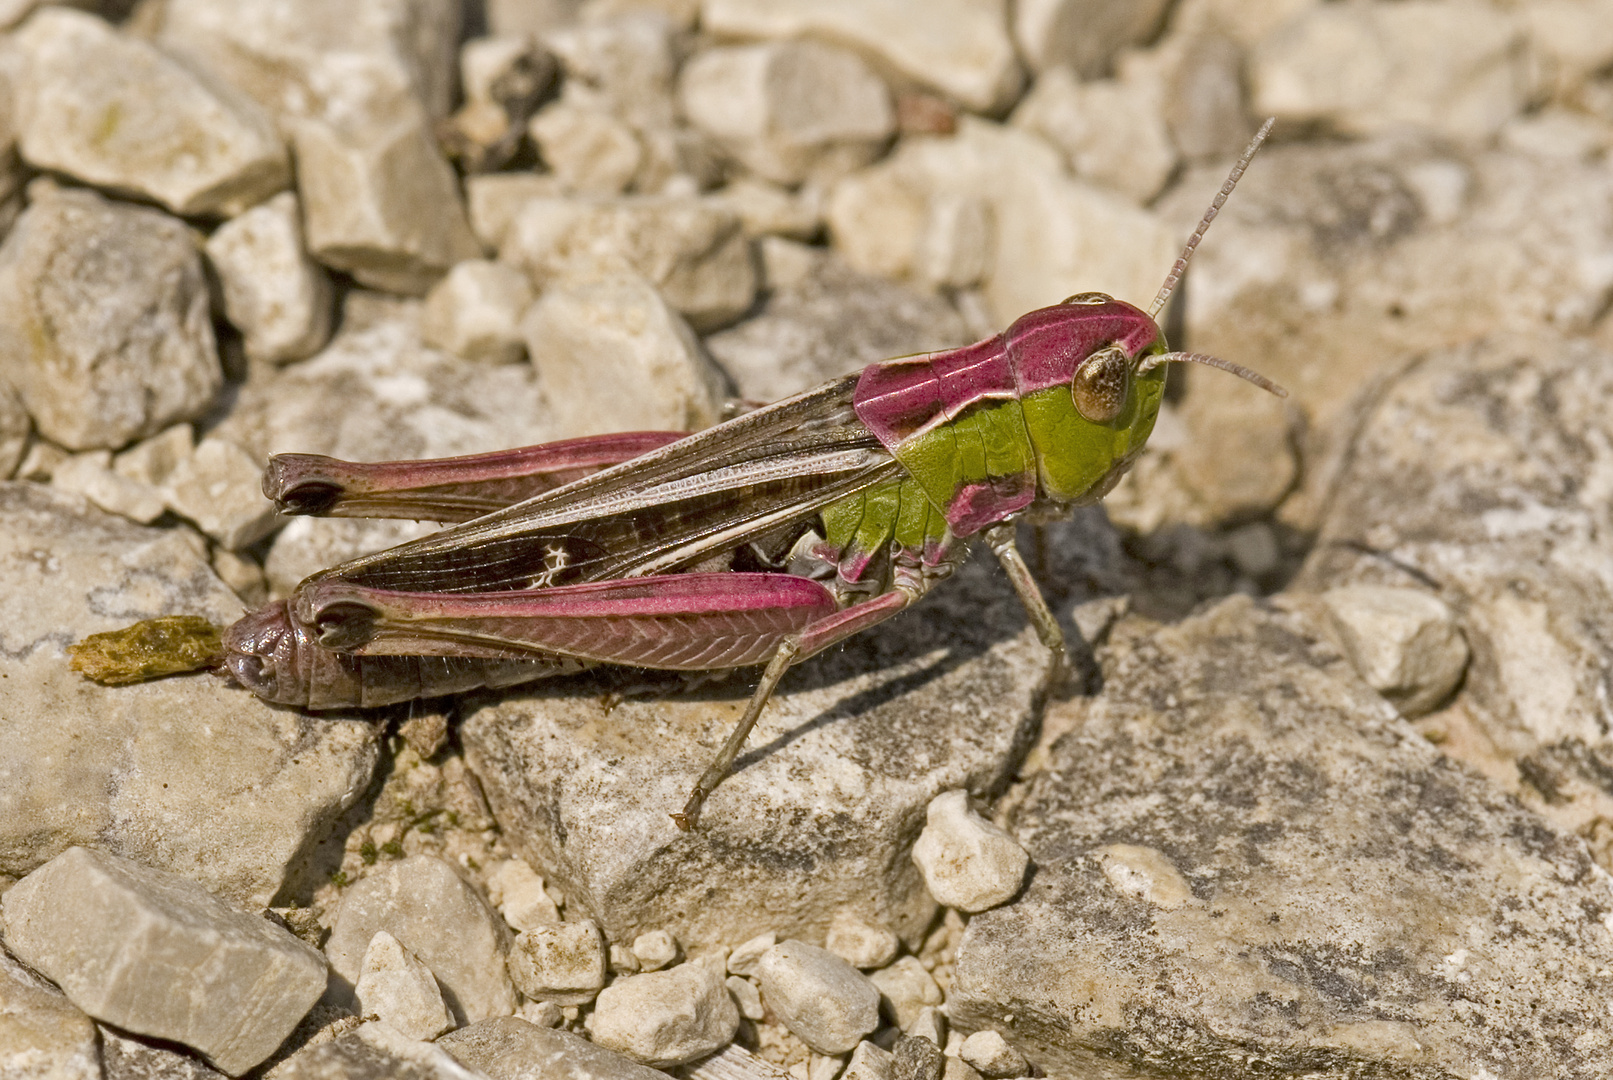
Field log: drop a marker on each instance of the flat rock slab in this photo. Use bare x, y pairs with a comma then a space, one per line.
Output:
1241, 856
823, 808
159, 955
185, 773
1482, 475
509, 1048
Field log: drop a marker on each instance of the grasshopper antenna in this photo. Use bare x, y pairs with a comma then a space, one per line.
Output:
1175, 276
1152, 362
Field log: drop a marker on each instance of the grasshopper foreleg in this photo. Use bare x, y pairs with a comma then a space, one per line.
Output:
1000, 538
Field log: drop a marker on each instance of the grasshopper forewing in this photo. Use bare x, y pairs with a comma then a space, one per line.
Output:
762, 540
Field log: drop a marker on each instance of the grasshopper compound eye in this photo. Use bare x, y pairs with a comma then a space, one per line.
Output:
1101, 383
1089, 298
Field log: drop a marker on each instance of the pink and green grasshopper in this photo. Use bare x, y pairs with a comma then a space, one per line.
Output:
763, 540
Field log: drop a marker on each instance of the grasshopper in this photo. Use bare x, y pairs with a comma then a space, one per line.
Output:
763, 540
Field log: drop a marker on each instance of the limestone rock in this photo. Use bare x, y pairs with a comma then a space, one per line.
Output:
279, 298
138, 770
1049, 235
396, 987
667, 1017
830, 322
1450, 66
819, 814
960, 48
692, 250
1488, 447
968, 863
906, 989
859, 944
219, 487
1404, 642
655, 950
157, 954
614, 356
382, 204
824, 1001
104, 322
91, 475
125, 1057
1112, 131
990, 1055
115, 112
1286, 810
374, 1051
42, 1034
475, 312
561, 962
364, 63
870, 1062
507, 1048
494, 199
377, 393
1082, 35
14, 429
789, 109
589, 150
434, 914
519, 895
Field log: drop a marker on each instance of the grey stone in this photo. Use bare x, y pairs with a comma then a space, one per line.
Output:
279, 298
125, 1057
506, 1048
655, 950
435, 915
858, 943
376, 393
14, 428
990, 1055
613, 355
667, 1017
1443, 66
560, 962
367, 62
954, 1068
397, 988
906, 989
382, 204
958, 48
788, 109
159, 955
588, 150
104, 323
929, 1024
374, 1052
494, 199
1038, 234
1468, 477
519, 895
1082, 35
967, 862
1307, 881
43, 1036
1329, 269
917, 1059
91, 475
744, 959
139, 769
475, 312
1403, 641
746, 996
115, 112
1112, 131
151, 461
767, 209
817, 818
870, 1062
824, 1001
220, 488
829, 322
693, 250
